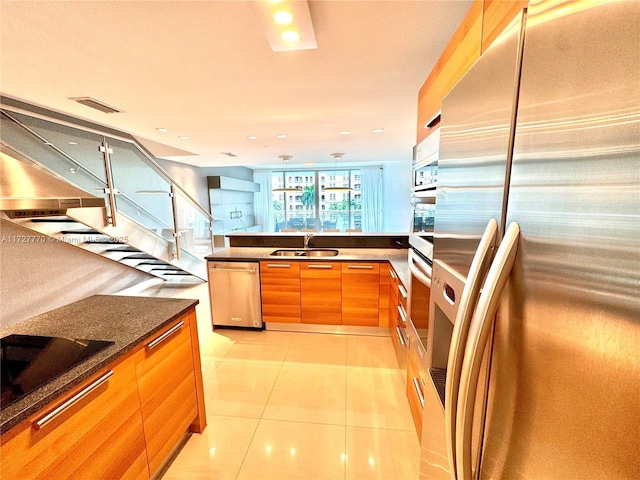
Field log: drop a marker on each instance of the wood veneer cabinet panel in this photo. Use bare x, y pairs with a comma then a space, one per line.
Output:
458, 56
167, 387
384, 292
280, 287
360, 293
321, 292
412, 394
99, 437
497, 14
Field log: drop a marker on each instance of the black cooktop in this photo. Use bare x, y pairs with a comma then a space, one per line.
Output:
29, 362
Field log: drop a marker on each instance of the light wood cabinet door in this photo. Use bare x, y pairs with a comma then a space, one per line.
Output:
321, 292
383, 294
415, 393
360, 293
280, 287
497, 14
167, 387
100, 435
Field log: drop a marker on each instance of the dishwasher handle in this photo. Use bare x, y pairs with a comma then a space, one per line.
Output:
229, 269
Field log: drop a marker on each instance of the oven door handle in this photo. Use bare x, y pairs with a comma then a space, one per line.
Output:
479, 332
468, 298
419, 269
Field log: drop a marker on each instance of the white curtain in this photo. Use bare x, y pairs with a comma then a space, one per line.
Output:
371, 199
263, 201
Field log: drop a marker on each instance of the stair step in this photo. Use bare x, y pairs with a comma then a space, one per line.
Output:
181, 273
82, 231
55, 220
152, 262
166, 269
127, 248
139, 256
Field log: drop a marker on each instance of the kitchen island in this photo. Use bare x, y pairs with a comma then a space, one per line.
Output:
121, 411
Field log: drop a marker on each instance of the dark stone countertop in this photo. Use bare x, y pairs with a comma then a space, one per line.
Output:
128, 321
398, 257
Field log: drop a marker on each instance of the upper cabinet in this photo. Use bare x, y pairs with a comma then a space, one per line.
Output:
483, 23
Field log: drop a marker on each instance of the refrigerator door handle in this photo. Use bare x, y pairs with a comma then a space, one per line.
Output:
468, 299
479, 331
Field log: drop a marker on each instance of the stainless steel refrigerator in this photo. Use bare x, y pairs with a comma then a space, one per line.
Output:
534, 334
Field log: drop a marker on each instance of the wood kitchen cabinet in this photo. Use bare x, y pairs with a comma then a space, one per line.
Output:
360, 293
383, 294
100, 436
415, 392
167, 389
321, 292
280, 287
484, 22
123, 421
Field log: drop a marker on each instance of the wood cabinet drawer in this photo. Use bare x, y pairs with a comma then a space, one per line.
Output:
360, 292
280, 288
99, 436
166, 383
415, 393
321, 292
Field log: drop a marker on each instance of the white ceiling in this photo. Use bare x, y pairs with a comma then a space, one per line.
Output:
205, 70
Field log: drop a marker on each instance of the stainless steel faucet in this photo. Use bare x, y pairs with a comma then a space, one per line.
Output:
307, 239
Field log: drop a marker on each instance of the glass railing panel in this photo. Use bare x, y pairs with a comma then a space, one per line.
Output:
194, 227
144, 193
70, 153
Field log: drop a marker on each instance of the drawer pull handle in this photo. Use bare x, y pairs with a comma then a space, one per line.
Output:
401, 337
329, 267
360, 267
38, 424
403, 291
278, 265
403, 315
165, 335
393, 274
416, 385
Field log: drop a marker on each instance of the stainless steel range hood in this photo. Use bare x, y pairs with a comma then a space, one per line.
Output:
29, 191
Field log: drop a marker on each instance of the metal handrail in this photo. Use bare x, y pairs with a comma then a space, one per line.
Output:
130, 140
75, 162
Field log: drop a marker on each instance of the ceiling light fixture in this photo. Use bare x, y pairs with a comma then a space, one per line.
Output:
282, 135
345, 132
378, 130
286, 24
162, 130
252, 137
285, 189
283, 17
183, 137
338, 189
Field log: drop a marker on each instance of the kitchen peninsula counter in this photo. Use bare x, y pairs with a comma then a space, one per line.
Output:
127, 321
397, 257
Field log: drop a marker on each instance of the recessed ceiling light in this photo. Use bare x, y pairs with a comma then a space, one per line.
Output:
252, 137
345, 132
378, 130
183, 137
282, 17
72, 143
282, 135
290, 36
163, 130
308, 164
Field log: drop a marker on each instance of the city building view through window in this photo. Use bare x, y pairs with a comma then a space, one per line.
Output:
317, 200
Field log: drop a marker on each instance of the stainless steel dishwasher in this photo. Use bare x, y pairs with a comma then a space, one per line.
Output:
234, 291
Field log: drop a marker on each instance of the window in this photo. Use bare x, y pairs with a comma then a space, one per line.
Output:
309, 207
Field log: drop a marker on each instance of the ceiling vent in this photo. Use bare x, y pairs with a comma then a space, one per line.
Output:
96, 104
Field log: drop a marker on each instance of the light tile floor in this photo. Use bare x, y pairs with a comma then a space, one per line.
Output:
284, 405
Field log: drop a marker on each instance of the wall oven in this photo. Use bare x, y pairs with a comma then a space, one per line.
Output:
423, 193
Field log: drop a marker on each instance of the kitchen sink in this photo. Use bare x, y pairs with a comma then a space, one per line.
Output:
288, 253
314, 252
321, 252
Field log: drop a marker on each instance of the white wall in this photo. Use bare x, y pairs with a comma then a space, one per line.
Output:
38, 276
